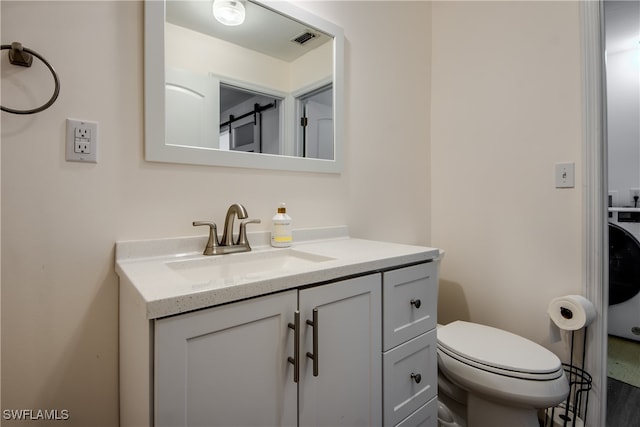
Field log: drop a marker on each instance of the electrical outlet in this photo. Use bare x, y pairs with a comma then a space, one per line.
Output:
81, 131
82, 141
81, 147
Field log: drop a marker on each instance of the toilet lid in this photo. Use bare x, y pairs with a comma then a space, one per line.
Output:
496, 348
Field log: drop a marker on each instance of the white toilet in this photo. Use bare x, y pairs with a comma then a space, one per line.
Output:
491, 377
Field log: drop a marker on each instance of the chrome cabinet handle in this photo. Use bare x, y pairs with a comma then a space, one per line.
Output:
295, 360
416, 377
314, 356
416, 303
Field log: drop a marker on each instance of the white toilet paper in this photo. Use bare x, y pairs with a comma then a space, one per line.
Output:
571, 312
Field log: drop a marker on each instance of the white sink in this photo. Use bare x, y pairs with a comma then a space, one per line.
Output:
249, 265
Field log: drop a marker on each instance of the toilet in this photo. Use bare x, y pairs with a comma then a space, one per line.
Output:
491, 377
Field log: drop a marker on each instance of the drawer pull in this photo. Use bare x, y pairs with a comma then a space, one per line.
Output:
295, 360
314, 356
416, 377
416, 303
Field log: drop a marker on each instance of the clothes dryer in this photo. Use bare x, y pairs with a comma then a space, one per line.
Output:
624, 273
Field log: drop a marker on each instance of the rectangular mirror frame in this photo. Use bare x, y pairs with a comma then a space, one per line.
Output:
154, 85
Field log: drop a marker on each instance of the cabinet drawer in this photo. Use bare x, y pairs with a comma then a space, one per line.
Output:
404, 392
426, 416
404, 320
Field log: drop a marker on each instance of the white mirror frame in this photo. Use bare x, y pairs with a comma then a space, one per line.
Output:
154, 85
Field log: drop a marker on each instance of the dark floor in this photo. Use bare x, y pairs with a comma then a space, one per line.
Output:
623, 404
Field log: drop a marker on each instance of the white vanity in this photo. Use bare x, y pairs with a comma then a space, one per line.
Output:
332, 331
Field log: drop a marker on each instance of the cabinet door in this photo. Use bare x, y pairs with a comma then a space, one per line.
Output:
347, 390
227, 365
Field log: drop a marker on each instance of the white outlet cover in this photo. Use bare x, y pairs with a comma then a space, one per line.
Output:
76, 129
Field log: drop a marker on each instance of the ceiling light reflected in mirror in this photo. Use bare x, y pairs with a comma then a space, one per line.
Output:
229, 12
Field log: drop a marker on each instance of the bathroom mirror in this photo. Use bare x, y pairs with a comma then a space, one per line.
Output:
265, 94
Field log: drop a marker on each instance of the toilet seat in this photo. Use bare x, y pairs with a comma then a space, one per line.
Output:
500, 365
505, 372
498, 351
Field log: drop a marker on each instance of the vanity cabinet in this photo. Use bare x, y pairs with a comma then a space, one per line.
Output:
225, 350
233, 364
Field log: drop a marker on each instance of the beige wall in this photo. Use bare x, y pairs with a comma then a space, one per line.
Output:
60, 220
506, 106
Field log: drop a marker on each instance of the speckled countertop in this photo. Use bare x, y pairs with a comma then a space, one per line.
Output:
149, 267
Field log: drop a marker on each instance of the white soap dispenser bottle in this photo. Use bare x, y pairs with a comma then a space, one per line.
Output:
281, 234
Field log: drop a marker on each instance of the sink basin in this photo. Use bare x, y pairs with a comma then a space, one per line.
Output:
249, 265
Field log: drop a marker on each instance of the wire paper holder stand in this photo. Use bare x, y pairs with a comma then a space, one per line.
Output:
580, 382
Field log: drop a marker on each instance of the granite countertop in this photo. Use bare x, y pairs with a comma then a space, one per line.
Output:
154, 268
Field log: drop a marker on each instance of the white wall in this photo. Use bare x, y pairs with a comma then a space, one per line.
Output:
388, 78
623, 118
506, 106
60, 220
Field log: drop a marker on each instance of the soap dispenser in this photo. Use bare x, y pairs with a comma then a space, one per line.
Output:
281, 234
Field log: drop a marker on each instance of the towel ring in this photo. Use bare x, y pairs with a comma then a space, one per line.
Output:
22, 56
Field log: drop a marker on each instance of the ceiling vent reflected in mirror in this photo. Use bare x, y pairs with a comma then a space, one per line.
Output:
304, 37
263, 30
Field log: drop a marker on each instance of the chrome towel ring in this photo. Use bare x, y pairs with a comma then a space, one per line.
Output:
19, 55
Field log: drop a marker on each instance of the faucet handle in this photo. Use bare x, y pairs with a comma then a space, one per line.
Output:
242, 238
212, 243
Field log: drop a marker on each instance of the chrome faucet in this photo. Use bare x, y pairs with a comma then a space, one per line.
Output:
227, 245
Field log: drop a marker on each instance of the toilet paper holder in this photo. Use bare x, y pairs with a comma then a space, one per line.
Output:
573, 412
566, 313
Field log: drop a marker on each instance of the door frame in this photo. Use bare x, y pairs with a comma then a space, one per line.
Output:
595, 252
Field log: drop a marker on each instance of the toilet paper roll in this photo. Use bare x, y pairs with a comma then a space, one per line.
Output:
571, 312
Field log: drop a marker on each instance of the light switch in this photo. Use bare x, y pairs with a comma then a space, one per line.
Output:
565, 175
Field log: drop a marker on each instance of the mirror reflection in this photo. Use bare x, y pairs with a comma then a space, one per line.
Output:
262, 86
249, 121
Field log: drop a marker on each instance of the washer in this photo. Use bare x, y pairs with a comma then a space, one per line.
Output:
624, 273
